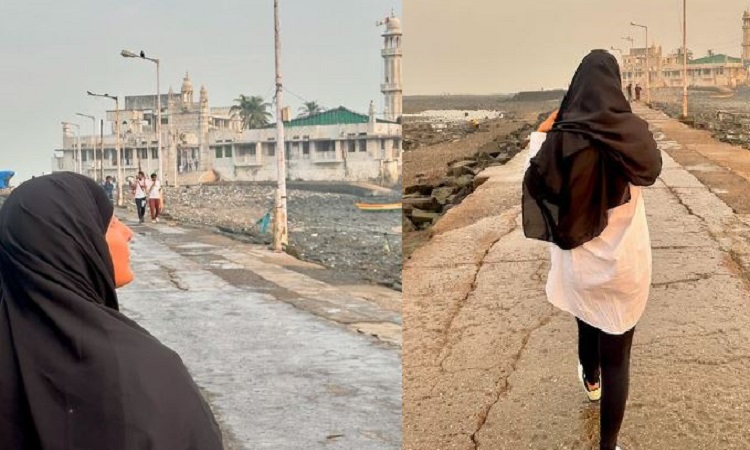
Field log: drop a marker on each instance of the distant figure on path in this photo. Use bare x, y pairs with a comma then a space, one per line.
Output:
74, 371
638, 92
630, 92
139, 193
581, 193
154, 197
109, 188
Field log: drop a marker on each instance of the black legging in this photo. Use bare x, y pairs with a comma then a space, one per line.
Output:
610, 353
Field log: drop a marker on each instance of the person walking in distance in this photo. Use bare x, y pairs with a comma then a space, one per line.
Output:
154, 197
109, 188
630, 92
582, 193
638, 92
139, 193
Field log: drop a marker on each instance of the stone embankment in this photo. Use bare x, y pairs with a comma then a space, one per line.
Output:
425, 202
725, 114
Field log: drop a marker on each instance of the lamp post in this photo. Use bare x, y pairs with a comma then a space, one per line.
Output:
684, 60
118, 147
629, 39
93, 139
280, 236
142, 55
648, 72
77, 147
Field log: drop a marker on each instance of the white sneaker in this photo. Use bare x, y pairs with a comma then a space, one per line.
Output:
594, 395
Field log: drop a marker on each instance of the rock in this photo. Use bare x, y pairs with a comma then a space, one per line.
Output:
425, 203
419, 216
441, 194
421, 189
460, 168
406, 224
464, 181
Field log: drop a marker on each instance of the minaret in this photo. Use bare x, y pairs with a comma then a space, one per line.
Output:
391, 87
187, 91
746, 37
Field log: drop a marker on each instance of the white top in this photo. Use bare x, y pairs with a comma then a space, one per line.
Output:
139, 191
155, 191
604, 282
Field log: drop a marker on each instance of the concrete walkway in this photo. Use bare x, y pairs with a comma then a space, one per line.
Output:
286, 361
488, 363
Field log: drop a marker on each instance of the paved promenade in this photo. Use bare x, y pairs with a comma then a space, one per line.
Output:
489, 364
286, 361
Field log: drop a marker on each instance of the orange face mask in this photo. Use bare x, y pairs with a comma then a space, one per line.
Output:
118, 237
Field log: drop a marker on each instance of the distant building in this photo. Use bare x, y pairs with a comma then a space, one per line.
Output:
335, 145
717, 70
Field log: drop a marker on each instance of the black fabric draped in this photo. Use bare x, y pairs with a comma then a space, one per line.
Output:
595, 148
74, 372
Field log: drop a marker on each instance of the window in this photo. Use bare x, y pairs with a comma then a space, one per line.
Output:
218, 152
227, 151
154, 153
306, 150
382, 144
363, 145
270, 149
143, 153
352, 146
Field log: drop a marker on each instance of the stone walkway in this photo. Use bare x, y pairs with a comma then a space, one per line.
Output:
488, 363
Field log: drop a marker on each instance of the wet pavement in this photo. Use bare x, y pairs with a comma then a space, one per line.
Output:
286, 361
489, 364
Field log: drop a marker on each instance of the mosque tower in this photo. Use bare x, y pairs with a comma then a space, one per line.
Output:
746, 37
391, 88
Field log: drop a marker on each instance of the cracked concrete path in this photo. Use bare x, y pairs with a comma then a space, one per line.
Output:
286, 361
488, 363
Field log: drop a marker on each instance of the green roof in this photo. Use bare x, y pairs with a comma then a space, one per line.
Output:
715, 59
336, 116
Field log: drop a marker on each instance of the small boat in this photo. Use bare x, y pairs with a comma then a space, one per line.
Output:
378, 206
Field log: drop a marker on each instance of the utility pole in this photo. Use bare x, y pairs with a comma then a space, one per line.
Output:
684, 60
280, 236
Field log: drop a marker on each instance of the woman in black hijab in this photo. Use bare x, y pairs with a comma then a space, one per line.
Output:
74, 372
581, 192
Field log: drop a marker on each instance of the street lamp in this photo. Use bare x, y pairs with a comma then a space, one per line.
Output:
77, 149
684, 60
648, 72
629, 39
118, 147
142, 55
93, 139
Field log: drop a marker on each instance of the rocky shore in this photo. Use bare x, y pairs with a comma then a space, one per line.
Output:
324, 227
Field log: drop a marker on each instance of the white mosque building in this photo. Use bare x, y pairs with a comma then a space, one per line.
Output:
338, 144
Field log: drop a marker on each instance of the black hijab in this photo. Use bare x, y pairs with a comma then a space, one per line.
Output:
74, 372
596, 147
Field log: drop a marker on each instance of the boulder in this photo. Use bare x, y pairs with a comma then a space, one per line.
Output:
441, 194
425, 203
419, 216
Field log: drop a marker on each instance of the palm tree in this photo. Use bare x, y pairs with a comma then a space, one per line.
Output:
253, 111
310, 108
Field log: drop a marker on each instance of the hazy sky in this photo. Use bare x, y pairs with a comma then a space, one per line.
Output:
494, 46
53, 52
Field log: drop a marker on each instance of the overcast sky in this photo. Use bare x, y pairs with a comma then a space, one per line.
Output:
53, 52
501, 46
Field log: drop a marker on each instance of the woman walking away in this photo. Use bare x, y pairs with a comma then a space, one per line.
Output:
581, 192
74, 372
